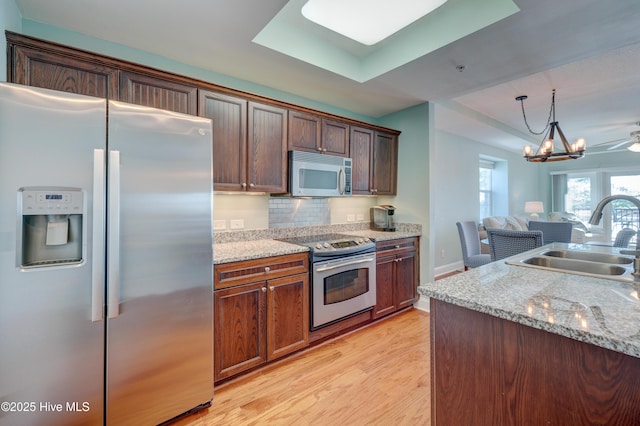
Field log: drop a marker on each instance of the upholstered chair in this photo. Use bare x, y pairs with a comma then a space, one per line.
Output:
505, 242
623, 237
470, 242
552, 232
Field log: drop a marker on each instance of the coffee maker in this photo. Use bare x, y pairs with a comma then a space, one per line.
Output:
382, 218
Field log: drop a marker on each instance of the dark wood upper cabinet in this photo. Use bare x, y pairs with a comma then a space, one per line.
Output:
155, 92
229, 117
335, 137
267, 148
251, 134
304, 131
385, 163
362, 155
34, 67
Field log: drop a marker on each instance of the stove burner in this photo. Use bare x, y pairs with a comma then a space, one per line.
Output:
336, 245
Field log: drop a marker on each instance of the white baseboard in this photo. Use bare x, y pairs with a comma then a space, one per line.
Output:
422, 303
445, 269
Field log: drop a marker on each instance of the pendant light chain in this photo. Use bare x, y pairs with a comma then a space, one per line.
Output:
551, 113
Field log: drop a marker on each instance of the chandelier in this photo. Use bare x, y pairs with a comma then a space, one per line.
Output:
546, 151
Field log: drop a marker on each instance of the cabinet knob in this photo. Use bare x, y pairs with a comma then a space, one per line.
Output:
267, 269
397, 246
251, 185
243, 184
272, 288
400, 259
324, 149
319, 149
374, 190
264, 289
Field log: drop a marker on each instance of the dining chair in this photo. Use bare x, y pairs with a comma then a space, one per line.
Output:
506, 242
623, 237
552, 232
470, 242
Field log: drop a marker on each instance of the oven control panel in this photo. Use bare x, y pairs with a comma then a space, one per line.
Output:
343, 247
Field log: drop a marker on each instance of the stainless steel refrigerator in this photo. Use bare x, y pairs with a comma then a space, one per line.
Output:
106, 253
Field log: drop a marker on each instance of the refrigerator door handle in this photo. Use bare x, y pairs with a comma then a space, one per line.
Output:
97, 262
113, 247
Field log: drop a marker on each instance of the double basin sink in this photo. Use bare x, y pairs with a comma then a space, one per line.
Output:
590, 263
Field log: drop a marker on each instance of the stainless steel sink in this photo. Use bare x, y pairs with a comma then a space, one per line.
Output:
587, 267
590, 256
589, 262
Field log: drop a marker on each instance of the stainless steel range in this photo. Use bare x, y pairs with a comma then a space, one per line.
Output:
343, 276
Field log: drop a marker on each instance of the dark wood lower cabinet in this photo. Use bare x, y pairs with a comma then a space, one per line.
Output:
490, 371
259, 320
396, 275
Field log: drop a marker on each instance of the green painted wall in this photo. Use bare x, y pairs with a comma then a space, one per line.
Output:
412, 200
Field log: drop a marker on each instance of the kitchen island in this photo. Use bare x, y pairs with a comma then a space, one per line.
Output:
522, 345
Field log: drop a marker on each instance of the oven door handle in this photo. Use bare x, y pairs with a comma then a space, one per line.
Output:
341, 265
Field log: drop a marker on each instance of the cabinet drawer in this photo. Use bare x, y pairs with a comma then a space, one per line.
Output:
396, 246
244, 272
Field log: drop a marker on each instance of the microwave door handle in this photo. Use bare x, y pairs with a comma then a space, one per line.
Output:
342, 181
341, 265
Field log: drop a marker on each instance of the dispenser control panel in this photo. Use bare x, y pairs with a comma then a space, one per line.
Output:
36, 201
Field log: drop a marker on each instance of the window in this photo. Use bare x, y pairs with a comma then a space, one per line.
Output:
486, 201
578, 199
623, 213
579, 193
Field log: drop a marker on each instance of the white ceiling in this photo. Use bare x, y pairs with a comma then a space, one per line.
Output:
588, 50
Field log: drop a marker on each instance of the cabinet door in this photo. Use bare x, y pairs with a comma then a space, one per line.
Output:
159, 93
405, 277
229, 117
385, 279
335, 137
288, 315
362, 155
239, 329
385, 160
267, 148
33, 67
304, 131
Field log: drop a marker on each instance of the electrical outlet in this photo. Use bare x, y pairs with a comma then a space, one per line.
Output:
351, 217
360, 216
237, 223
219, 224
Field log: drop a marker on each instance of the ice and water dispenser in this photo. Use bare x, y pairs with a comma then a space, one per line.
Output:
52, 226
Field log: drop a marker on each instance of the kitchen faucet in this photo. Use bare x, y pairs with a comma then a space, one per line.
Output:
597, 216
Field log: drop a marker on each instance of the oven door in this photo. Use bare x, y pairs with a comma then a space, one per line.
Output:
342, 287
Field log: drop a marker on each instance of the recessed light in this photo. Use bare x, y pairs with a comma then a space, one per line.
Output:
367, 21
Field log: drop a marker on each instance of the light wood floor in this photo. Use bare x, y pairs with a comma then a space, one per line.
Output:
378, 375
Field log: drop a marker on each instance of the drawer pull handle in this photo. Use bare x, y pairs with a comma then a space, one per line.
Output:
272, 288
264, 289
267, 269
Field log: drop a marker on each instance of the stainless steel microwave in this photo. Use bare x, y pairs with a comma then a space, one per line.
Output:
319, 175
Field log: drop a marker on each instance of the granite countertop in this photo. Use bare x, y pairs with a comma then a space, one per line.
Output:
598, 311
254, 249
248, 245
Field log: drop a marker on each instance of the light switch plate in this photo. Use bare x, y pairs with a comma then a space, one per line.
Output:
351, 217
219, 224
237, 223
360, 216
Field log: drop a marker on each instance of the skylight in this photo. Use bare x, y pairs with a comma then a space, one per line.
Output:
367, 21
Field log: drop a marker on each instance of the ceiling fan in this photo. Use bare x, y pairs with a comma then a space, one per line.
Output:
633, 140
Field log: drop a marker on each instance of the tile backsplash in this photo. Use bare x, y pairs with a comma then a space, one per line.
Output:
286, 212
